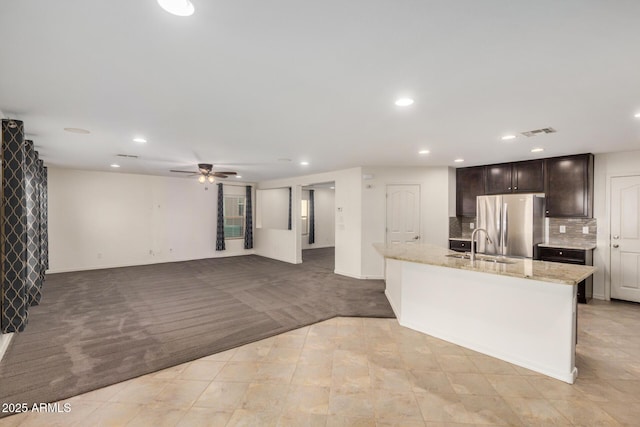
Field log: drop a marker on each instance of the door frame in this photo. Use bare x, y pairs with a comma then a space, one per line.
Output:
386, 210
607, 256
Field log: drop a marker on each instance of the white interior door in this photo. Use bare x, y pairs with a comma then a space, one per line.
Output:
625, 238
403, 213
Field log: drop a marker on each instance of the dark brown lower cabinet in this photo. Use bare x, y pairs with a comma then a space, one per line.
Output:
572, 256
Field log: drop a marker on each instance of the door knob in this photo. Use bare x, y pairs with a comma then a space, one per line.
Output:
416, 238
616, 245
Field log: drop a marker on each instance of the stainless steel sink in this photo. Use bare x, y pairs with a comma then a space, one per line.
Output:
482, 258
461, 256
496, 260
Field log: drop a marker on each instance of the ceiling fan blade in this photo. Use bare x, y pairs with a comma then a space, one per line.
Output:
226, 173
219, 175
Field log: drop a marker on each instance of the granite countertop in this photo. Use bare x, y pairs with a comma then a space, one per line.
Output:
465, 239
544, 271
574, 245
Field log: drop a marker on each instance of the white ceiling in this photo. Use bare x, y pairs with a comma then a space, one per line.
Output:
245, 83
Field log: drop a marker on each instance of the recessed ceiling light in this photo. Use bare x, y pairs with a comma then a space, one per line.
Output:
423, 152
140, 140
637, 115
404, 102
508, 137
304, 163
177, 7
115, 165
77, 130
459, 160
238, 176
537, 150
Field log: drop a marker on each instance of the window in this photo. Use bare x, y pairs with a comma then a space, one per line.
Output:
234, 217
304, 209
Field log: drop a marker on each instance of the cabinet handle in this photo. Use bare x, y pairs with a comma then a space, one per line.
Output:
509, 188
461, 244
560, 252
515, 188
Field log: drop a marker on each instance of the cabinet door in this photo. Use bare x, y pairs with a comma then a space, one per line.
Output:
498, 178
469, 185
569, 186
528, 177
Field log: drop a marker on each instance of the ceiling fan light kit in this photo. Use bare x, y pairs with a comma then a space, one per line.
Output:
206, 173
177, 7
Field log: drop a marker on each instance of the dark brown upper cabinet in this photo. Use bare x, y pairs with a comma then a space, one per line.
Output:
569, 186
520, 177
469, 185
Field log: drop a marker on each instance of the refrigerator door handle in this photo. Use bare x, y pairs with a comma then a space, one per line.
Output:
505, 228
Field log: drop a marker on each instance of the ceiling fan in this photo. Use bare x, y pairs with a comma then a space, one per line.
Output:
206, 172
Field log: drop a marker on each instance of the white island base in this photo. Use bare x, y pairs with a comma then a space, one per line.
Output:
526, 322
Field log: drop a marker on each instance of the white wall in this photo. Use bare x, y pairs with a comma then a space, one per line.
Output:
272, 208
324, 218
606, 166
348, 209
103, 219
437, 200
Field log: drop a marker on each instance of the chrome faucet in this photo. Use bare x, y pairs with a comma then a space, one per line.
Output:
473, 240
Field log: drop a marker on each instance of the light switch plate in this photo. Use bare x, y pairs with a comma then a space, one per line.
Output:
563, 228
472, 226
585, 229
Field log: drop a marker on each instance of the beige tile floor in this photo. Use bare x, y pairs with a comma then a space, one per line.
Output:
373, 372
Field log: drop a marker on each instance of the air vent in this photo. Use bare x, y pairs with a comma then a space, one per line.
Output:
128, 156
531, 133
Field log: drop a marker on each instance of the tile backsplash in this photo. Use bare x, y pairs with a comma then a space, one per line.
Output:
460, 226
573, 230
573, 227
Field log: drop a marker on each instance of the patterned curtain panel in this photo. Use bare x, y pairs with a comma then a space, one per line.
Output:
248, 220
44, 235
289, 223
312, 219
32, 194
220, 225
13, 229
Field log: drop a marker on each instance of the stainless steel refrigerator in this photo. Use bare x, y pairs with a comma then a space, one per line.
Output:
514, 223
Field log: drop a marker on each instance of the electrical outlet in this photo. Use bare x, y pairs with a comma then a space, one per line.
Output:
472, 226
563, 228
585, 229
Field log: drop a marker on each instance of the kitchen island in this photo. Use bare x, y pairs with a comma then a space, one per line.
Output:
518, 310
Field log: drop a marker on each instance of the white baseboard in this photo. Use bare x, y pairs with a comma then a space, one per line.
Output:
393, 307
354, 276
342, 273
5, 339
101, 267
314, 246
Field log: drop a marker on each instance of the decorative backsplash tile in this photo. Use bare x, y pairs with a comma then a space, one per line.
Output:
573, 230
460, 226
573, 227
455, 226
